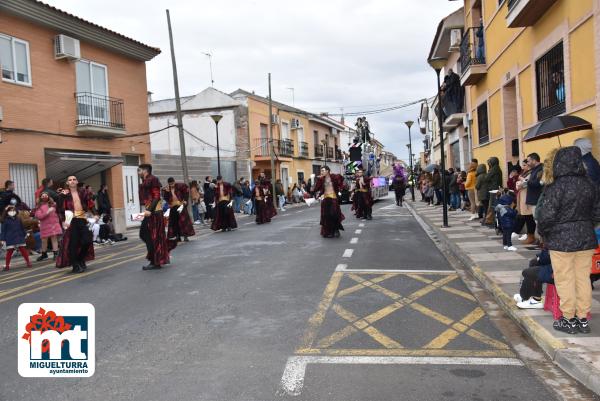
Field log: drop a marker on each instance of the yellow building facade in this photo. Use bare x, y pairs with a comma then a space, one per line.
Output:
524, 61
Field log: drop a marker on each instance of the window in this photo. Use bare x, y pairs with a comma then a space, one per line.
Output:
14, 60
482, 123
550, 81
92, 92
285, 130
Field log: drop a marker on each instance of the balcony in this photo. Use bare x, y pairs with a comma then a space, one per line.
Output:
283, 148
338, 154
303, 150
319, 151
523, 13
99, 115
330, 153
472, 56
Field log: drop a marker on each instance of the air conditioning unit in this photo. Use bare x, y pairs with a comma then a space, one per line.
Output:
295, 123
274, 119
66, 47
455, 39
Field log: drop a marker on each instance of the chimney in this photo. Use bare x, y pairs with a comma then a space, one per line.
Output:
149, 97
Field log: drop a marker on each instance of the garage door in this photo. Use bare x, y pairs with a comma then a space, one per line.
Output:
26, 181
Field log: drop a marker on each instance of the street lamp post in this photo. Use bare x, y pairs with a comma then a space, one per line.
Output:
216, 118
409, 124
437, 64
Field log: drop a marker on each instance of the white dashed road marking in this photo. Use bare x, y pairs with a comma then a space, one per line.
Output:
358, 231
348, 253
354, 240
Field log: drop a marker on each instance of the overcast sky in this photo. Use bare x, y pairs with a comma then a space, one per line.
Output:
355, 54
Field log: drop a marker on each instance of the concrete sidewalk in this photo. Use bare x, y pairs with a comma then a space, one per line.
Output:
480, 249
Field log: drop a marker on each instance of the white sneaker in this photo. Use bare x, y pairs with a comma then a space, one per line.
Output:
517, 298
197, 222
523, 237
505, 248
531, 303
514, 236
512, 248
473, 217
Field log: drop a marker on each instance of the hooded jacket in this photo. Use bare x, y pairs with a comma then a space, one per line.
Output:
570, 206
591, 164
482, 193
534, 185
493, 178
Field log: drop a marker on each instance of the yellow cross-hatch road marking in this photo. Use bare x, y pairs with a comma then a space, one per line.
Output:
372, 281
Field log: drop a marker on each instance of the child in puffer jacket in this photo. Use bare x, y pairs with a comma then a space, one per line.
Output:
507, 216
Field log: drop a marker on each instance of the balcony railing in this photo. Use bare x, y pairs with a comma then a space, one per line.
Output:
319, 151
303, 149
99, 111
472, 48
512, 3
283, 147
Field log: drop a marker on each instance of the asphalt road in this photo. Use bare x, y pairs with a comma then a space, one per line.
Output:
275, 312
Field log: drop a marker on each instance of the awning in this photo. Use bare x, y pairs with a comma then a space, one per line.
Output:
60, 165
556, 126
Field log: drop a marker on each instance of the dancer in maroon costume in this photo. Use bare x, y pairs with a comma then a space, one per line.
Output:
329, 186
265, 210
152, 231
76, 246
224, 217
180, 224
362, 201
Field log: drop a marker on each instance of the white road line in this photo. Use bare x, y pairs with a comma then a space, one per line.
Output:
361, 225
344, 268
292, 380
354, 240
358, 231
248, 223
348, 253
299, 211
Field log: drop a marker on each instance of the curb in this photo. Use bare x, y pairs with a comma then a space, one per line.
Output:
568, 360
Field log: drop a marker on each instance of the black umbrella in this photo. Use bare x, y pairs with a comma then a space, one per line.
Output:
556, 126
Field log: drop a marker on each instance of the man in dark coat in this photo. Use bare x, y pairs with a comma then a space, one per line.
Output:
152, 230
9, 197
534, 183
493, 181
104, 205
567, 213
176, 194
209, 197
592, 166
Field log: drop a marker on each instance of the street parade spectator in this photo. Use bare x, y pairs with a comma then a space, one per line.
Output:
483, 196
592, 166
567, 213
224, 217
493, 182
209, 197
247, 193
533, 183
506, 217
104, 205
437, 185
9, 197
152, 230
77, 246
453, 189
238, 195
328, 186
538, 273
12, 236
279, 192
195, 199
524, 211
513, 177
471, 191
176, 194
50, 229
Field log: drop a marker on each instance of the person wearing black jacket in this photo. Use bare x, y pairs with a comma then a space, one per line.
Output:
104, 205
493, 181
567, 213
209, 197
534, 183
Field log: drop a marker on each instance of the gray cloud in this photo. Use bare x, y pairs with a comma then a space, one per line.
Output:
334, 53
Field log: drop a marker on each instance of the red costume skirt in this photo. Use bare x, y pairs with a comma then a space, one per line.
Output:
224, 217
263, 215
152, 232
180, 225
362, 204
331, 217
83, 249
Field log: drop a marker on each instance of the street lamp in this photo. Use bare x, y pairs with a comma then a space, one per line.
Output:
216, 118
437, 64
409, 124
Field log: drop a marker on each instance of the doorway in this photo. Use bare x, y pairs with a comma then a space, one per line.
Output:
511, 125
130, 192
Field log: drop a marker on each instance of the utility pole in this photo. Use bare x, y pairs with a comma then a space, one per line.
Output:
184, 165
272, 147
212, 81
